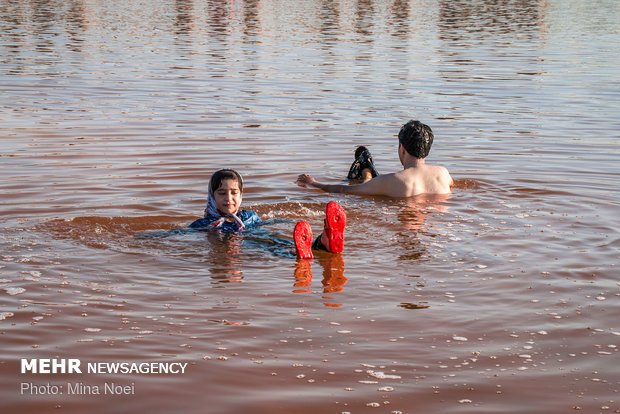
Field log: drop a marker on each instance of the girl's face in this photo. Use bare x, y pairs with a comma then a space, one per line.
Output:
228, 196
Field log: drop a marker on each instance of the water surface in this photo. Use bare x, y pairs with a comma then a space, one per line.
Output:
502, 297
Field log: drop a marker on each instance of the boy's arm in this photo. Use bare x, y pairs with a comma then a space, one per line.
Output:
376, 186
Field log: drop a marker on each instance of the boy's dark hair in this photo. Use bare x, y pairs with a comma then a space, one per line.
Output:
416, 138
225, 174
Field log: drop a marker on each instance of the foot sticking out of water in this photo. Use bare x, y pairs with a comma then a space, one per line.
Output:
333, 231
332, 238
363, 169
303, 240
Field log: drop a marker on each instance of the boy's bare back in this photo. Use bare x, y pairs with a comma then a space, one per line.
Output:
424, 179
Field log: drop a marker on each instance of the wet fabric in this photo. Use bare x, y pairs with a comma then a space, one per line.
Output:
318, 245
248, 218
363, 161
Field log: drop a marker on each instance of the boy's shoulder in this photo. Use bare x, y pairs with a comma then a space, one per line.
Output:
443, 173
437, 180
438, 170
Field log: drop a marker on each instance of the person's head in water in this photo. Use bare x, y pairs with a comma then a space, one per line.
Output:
416, 138
226, 188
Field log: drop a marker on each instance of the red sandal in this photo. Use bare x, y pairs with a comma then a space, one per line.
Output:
303, 240
334, 226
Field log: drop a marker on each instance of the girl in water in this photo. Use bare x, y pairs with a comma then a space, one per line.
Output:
223, 202
223, 213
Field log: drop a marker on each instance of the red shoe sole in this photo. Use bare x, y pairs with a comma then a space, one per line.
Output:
303, 240
336, 222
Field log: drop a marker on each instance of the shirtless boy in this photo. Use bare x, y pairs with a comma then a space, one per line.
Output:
414, 143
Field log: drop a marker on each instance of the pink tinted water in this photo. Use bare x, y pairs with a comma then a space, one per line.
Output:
502, 297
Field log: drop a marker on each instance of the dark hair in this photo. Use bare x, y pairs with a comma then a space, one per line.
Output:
221, 175
416, 138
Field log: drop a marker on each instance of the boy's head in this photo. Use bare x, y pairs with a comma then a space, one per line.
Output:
416, 138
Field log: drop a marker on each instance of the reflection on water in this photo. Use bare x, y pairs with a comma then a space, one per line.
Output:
333, 276
464, 20
498, 298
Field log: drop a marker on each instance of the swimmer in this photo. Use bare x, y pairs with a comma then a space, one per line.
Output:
223, 213
223, 204
416, 177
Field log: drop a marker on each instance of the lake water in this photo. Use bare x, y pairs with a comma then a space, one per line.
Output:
502, 297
